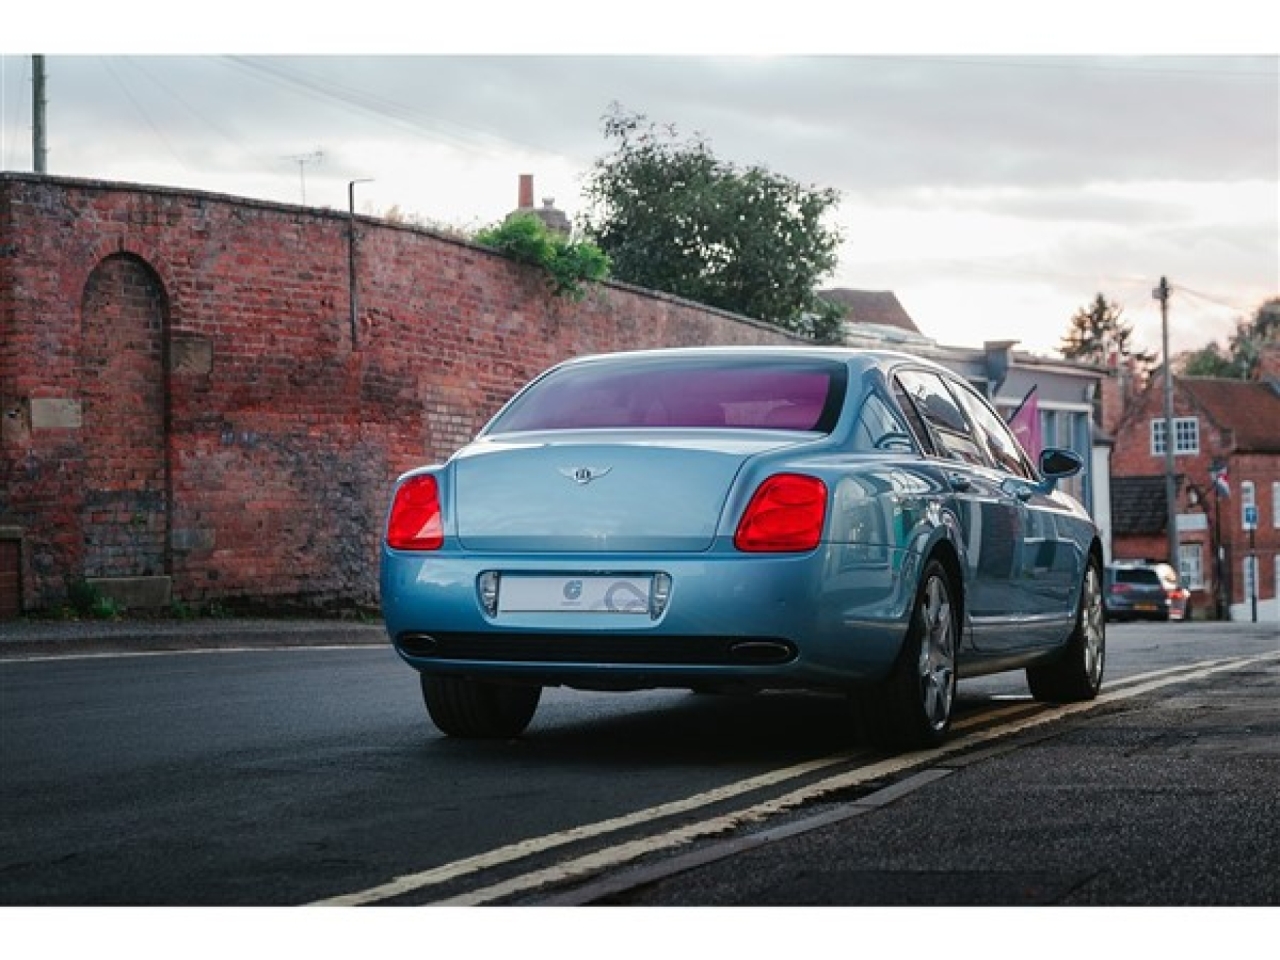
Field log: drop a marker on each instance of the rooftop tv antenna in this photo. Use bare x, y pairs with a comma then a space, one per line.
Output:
302, 159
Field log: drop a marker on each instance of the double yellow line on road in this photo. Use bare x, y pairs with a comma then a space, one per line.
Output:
1024, 717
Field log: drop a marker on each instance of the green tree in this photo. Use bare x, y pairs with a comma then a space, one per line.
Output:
1097, 333
1209, 361
673, 217
1252, 335
1243, 354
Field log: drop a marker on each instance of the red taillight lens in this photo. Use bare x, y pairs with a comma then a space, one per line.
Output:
785, 515
415, 522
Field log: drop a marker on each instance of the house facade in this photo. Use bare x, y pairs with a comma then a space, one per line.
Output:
1226, 445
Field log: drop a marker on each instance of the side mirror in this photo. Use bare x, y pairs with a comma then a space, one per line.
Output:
1057, 464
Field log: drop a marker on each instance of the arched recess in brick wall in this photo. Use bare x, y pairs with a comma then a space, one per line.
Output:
124, 387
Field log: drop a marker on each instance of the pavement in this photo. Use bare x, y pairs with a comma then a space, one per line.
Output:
47, 637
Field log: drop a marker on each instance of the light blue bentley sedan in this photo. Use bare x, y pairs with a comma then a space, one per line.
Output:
730, 518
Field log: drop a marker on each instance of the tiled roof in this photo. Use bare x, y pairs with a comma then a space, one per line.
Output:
1137, 505
1251, 410
871, 306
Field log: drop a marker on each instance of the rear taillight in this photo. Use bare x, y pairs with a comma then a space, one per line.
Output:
785, 515
415, 522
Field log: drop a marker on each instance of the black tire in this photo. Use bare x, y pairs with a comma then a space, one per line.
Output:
476, 709
912, 707
1077, 674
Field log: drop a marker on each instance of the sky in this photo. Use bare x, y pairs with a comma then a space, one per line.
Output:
995, 180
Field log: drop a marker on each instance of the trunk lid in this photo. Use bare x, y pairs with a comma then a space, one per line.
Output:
596, 492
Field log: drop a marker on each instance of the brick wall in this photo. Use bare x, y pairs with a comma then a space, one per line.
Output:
180, 394
1132, 457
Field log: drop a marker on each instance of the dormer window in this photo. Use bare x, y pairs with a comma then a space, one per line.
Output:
1186, 436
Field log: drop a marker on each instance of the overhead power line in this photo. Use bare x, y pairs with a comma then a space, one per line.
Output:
1208, 299
325, 89
1135, 66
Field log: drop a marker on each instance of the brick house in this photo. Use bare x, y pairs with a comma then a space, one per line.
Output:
1217, 423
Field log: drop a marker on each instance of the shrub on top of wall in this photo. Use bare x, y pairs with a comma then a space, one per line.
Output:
569, 265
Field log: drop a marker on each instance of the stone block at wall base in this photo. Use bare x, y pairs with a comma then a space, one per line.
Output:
135, 593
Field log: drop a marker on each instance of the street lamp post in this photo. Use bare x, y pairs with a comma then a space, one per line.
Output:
352, 284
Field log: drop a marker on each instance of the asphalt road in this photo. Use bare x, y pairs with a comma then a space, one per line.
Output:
296, 776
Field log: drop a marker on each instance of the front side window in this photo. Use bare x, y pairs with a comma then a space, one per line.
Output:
1186, 436
1001, 445
733, 392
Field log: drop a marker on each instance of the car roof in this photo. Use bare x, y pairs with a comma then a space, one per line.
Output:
856, 357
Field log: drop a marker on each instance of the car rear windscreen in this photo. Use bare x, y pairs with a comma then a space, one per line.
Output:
722, 392
1145, 577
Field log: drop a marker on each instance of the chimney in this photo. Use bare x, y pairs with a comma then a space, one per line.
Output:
526, 192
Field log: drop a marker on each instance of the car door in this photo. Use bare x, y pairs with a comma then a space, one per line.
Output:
1049, 561
992, 518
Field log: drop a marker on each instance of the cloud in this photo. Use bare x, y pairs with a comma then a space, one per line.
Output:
967, 182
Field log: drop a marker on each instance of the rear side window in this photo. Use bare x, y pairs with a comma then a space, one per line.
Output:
879, 429
742, 393
947, 423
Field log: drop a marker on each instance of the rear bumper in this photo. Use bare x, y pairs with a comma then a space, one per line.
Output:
732, 618
1157, 611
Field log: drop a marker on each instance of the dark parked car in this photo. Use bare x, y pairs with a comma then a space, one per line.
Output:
1145, 589
728, 518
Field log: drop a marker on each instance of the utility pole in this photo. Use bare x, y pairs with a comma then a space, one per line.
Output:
1219, 607
39, 152
1161, 293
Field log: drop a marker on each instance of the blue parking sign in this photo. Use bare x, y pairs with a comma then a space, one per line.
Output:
1250, 517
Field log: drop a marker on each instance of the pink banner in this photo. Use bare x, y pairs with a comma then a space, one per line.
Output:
1025, 424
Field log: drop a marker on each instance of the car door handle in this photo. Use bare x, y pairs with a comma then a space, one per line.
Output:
1018, 490
959, 482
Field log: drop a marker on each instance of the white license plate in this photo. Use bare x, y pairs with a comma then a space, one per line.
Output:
628, 595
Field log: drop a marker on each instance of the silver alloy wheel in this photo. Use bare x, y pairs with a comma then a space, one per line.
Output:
1092, 626
937, 665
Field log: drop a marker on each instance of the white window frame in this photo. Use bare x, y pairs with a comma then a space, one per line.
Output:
1248, 498
1275, 504
1186, 436
1191, 565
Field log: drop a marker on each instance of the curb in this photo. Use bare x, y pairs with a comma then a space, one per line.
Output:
44, 639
